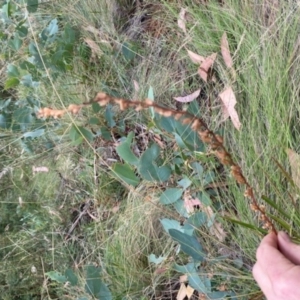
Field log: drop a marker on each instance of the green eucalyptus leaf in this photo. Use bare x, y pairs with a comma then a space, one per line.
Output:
71, 277
11, 83
151, 93
22, 30
125, 152
88, 135
6, 9
96, 107
12, 71
156, 260
32, 5
179, 141
31, 68
196, 283
94, 121
125, 173
127, 51
148, 168
170, 196
198, 219
151, 97
28, 82
93, 280
209, 177
188, 268
167, 124
105, 133
198, 169
69, 35
49, 33
109, 114
171, 224
219, 295
180, 208
94, 285
23, 117
189, 244
56, 276
5, 121
188, 229
75, 136
15, 43
4, 104
34, 134
2, 121
185, 182
194, 109
27, 146
189, 137
205, 198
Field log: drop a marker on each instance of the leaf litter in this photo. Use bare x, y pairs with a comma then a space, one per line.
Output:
195, 58
206, 65
181, 20
228, 103
225, 51
188, 98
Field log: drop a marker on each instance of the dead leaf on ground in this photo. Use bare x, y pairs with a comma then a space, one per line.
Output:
136, 89
136, 86
188, 98
206, 66
189, 291
217, 230
195, 58
184, 291
225, 51
190, 203
92, 29
181, 20
294, 159
97, 32
183, 278
116, 208
40, 169
160, 271
228, 102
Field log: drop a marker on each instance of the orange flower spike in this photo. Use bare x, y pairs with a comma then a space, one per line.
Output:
102, 99
148, 102
219, 138
74, 109
196, 125
204, 136
249, 193
57, 113
45, 112
167, 113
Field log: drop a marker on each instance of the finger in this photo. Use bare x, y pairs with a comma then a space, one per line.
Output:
270, 239
263, 281
290, 250
270, 259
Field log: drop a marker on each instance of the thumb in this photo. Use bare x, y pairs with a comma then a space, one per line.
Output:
290, 250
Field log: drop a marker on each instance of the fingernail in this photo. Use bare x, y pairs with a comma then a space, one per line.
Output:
284, 236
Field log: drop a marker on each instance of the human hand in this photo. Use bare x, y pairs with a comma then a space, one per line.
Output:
277, 270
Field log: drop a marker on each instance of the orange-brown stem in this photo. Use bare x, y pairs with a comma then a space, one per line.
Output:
197, 124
